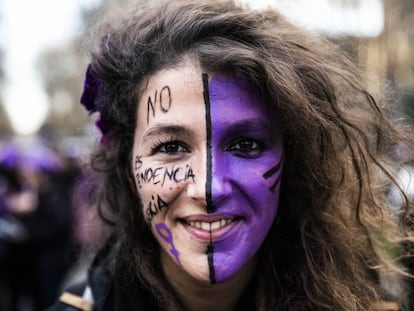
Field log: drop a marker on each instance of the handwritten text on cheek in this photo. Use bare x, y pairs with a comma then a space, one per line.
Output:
161, 174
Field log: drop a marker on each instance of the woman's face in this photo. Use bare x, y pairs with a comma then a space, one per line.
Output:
207, 164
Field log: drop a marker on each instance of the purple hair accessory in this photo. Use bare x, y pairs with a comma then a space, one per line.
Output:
91, 97
93, 100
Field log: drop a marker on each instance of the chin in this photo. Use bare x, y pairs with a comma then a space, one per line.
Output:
197, 271
199, 276
228, 265
223, 275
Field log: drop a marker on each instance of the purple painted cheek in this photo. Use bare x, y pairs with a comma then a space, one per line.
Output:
248, 187
251, 198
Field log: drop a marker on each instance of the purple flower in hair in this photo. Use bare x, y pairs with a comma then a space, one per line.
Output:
93, 101
91, 97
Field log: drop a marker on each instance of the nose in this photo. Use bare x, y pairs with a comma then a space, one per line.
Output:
221, 185
196, 188
220, 181
212, 184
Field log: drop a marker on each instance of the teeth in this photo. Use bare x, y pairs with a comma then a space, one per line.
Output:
215, 225
209, 226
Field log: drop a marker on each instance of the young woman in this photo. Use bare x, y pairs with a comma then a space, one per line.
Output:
242, 166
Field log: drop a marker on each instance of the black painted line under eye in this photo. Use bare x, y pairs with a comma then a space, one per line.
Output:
273, 170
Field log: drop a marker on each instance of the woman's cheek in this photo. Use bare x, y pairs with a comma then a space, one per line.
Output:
158, 185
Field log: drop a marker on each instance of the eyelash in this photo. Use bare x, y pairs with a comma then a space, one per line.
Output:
254, 152
156, 148
249, 154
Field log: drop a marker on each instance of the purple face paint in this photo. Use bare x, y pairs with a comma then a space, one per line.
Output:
207, 164
246, 160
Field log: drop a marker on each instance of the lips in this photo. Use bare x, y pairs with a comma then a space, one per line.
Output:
210, 226
209, 229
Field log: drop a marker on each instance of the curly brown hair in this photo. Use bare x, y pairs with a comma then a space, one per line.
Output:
325, 248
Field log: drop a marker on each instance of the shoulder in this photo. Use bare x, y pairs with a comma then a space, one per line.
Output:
72, 299
91, 294
102, 293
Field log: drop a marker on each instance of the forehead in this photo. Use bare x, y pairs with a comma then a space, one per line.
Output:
186, 78
170, 91
235, 98
182, 93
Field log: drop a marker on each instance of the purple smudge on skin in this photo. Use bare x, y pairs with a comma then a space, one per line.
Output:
238, 185
166, 234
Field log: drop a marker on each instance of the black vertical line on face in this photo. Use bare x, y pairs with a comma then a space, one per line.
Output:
210, 252
210, 207
206, 94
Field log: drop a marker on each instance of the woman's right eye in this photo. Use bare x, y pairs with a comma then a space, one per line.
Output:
171, 147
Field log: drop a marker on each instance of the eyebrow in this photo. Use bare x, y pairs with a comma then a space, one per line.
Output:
257, 126
166, 129
250, 124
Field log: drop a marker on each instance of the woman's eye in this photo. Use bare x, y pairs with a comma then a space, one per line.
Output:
171, 147
246, 148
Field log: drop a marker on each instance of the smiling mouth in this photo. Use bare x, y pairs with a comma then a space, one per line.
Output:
208, 229
209, 226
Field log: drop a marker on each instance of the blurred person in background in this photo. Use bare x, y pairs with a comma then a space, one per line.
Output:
12, 231
37, 193
89, 230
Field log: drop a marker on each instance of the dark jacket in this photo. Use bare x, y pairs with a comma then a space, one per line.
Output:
108, 295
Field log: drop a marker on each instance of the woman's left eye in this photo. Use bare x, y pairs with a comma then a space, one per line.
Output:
246, 147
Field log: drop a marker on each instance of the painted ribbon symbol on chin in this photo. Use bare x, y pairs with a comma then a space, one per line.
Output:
166, 235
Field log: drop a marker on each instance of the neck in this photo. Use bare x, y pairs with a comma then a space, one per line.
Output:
203, 296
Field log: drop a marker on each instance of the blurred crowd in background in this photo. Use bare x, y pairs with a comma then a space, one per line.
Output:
48, 227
